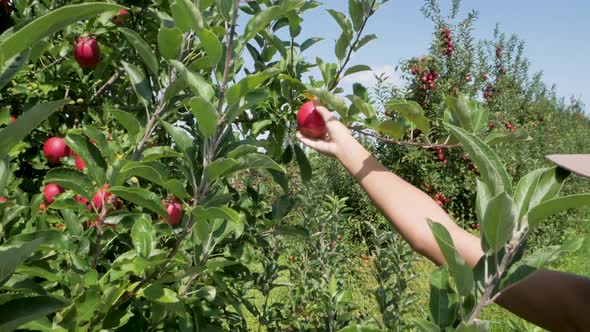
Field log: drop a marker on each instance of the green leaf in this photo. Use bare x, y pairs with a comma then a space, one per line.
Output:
128, 121
141, 197
466, 113
309, 43
360, 328
139, 82
72, 179
13, 256
443, 300
29, 120
357, 14
261, 20
187, 16
411, 111
181, 137
152, 171
422, 325
342, 46
239, 90
524, 191
457, 265
48, 24
481, 201
170, 42
259, 125
143, 237
356, 69
198, 84
282, 206
392, 128
143, 49
206, 116
364, 41
212, 47
513, 136
223, 213
499, 221
225, 166
492, 171
90, 155
549, 185
304, 166
157, 293
20, 311
331, 101
342, 21
554, 206
13, 66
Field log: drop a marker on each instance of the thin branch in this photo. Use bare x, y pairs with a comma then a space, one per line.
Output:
107, 84
228, 55
391, 141
352, 47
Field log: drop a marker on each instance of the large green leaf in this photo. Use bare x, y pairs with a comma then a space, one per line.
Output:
305, 169
513, 136
331, 101
261, 20
198, 84
391, 128
357, 14
13, 256
72, 179
28, 121
239, 90
19, 311
90, 155
524, 191
549, 185
13, 66
141, 197
225, 166
48, 24
457, 265
443, 301
212, 47
187, 16
499, 221
492, 171
129, 122
554, 206
411, 111
222, 212
143, 237
139, 82
170, 42
423, 325
466, 113
206, 116
143, 49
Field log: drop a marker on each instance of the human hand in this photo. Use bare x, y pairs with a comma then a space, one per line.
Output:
338, 136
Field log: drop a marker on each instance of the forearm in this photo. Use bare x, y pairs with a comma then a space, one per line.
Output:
406, 207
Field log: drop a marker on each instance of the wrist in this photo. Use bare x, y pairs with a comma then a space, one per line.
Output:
350, 153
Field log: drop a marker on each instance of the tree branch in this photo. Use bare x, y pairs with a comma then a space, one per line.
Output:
391, 141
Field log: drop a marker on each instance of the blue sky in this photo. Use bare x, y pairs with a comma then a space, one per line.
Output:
557, 36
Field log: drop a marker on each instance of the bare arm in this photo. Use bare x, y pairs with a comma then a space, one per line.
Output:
553, 300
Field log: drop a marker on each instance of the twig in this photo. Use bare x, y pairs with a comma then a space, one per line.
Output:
107, 84
352, 47
391, 141
51, 64
228, 53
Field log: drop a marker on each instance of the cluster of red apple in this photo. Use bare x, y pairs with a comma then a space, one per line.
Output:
87, 49
427, 77
487, 92
510, 126
448, 45
441, 199
55, 149
440, 155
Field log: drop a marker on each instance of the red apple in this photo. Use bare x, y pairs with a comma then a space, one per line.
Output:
175, 213
54, 149
80, 164
121, 17
310, 121
12, 119
50, 191
6, 7
101, 197
87, 52
3, 199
